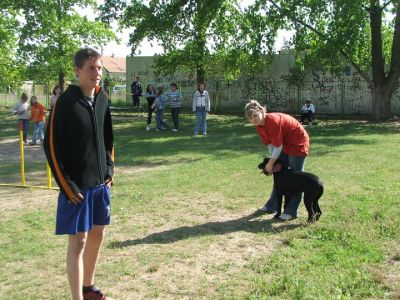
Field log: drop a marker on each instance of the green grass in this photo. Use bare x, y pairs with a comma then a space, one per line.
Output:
183, 223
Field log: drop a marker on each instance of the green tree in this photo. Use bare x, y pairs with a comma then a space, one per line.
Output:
363, 33
52, 32
199, 36
10, 70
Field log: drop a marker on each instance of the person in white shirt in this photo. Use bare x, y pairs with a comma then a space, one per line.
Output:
307, 111
201, 105
21, 110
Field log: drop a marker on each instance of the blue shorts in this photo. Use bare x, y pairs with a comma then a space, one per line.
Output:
94, 210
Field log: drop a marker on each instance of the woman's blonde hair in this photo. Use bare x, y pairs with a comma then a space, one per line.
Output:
253, 107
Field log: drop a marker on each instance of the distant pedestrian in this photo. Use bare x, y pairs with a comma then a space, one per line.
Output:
21, 110
307, 112
38, 117
150, 97
55, 94
136, 90
158, 105
174, 99
201, 105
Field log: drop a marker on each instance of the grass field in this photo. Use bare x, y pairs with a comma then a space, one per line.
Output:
184, 224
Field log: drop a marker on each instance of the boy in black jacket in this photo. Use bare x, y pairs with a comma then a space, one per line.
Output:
79, 148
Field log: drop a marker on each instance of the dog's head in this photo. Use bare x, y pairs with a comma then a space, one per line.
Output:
276, 168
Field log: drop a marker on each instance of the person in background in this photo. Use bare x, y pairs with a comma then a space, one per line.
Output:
174, 100
158, 105
201, 105
79, 148
150, 97
38, 117
136, 90
307, 111
21, 111
56, 93
287, 140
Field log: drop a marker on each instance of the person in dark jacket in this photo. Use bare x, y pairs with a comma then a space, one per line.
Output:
79, 148
136, 90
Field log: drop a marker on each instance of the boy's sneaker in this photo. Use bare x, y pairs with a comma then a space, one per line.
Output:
147, 127
94, 294
32, 144
174, 129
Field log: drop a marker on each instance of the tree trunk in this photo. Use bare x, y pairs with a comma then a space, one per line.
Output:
381, 106
200, 74
61, 81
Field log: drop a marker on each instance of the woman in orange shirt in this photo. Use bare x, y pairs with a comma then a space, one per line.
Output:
287, 140
38, 117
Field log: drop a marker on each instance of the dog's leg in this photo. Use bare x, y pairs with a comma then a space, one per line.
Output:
316, 205
308, 202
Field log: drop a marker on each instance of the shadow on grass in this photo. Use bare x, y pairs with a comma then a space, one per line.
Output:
211, 228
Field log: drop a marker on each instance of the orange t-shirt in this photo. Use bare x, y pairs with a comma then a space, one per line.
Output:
38, 112
284, 130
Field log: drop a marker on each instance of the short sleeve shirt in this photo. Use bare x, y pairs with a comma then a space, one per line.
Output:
284, 130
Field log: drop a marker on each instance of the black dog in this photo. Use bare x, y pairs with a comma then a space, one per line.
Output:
289, 183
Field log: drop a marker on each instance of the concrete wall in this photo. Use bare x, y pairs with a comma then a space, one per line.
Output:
344, 94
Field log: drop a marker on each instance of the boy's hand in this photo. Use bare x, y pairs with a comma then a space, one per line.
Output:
76, 199
109, 182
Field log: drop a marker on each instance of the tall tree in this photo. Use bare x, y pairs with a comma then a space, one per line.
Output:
53, 31
10, 71
364, 33
197, 35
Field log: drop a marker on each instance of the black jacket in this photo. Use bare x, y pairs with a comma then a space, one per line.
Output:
79, 141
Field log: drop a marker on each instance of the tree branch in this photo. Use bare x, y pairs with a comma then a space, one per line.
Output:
328, 39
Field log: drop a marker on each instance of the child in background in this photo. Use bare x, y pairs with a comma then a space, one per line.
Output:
38, 117
158, 105
21, 111
175, 102
56, 93
150, 96
201, 105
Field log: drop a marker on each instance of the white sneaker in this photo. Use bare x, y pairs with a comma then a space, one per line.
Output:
147, 127
174, 129
286, 217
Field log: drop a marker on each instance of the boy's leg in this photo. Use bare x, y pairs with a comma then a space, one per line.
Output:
40, 131
197, 122
91, 253
204, 122
76, 246
35, 133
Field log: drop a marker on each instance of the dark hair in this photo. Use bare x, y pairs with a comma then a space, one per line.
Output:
173, 84
32, 98
160, 89
24, 96
201, 83
148, 88
54, 90
83, 55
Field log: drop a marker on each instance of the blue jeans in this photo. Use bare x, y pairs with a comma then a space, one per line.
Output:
201, 120
296, 163
38, 132
161, 125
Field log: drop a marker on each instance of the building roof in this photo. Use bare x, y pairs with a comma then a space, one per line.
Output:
114, 64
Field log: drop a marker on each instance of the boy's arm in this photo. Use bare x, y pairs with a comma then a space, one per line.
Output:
109, 144
54, 147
